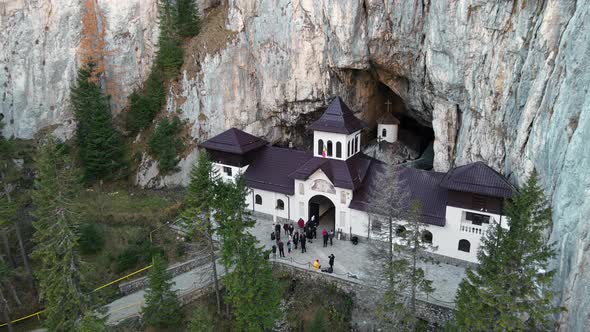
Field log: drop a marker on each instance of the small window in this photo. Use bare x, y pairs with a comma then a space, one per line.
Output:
427, 237
477, 219
349, 151
320, 147
280, 204
342, 197
464, 245
376, 225
258, 200
384, 133
357, 142
227, 170
338, 150
400, 231
329, 148
301, 188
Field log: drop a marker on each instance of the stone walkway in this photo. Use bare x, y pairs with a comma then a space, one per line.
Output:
352, 260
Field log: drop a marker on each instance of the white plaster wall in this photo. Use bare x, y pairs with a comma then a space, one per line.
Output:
234, 171
391, 132
269, 203
325, 136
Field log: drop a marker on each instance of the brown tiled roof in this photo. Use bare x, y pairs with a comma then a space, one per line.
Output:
348, 174
388, 118
338, 118
234, 141
420, 184
271, 166
477, 178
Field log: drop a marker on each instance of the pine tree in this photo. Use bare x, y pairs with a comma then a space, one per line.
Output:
165, 145
188, 18
60, 277
100, 146
145, 105
251, 289
509, 290
170, 55
406, 280
162, 308
201, 321
200, 202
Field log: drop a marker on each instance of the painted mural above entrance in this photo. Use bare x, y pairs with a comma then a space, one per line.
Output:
323, 186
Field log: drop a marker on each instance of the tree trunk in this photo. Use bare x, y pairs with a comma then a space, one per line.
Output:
6, 245
214, 265
23, 253
5, 314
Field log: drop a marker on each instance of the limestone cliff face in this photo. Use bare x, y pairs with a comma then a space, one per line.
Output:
505, 82
39, 42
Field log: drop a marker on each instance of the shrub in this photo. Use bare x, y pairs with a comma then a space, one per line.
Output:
318, 324
201, 321
91, 239
145, 105
165, 145
141, 251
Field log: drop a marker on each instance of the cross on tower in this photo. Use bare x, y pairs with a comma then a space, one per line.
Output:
388, 103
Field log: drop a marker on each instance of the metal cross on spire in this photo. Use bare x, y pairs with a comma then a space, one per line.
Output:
388, 103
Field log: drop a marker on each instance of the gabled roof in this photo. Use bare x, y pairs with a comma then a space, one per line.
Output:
234, 141
271, 166
388, 118
338, 118
477, 178
420, 184
348, 174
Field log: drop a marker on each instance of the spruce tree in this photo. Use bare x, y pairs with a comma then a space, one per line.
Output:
162, 307
56, 221
165, 145
251, 289
99, 144
509, 290
170, 55
188, 18
146, 104
200, 202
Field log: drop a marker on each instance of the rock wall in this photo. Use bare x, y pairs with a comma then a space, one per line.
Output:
505, 82
39, 42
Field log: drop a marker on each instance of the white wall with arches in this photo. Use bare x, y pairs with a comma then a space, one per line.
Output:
338, 146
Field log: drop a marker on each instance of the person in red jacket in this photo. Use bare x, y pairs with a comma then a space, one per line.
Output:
300, 222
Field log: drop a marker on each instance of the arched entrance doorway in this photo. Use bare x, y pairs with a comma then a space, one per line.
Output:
323, 209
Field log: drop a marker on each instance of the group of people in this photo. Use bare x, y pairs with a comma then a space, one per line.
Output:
307, 231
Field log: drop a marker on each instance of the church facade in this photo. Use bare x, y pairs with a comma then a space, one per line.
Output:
334, 181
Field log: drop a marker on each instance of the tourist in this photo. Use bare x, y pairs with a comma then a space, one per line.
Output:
316, 264
309, 234
325, 236
331, 261
274, 252
296, 239
278, 230
303, 249
289, 246
331, 236
314, 231
286, 228
301, 223
291, 229
281, 249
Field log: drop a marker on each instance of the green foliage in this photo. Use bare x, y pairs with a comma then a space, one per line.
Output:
188, 20
318, 324
201, 321
138, 252
60, 273
170, 54
510, 288
91, 323
99, 144
251, 289
165, 145
200, 198
91, 239
145, 105
162, 308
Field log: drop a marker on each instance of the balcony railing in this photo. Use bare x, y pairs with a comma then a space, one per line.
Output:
470, 228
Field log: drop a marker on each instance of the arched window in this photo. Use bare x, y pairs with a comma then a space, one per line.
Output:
356, 144
349, 152
329, 148
427, 237
280, 204
400, 231
258, 200
464, 245
384, 132
320, 147
338, 150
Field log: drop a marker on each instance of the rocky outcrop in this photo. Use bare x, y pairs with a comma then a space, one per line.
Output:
500, 81
38, 58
